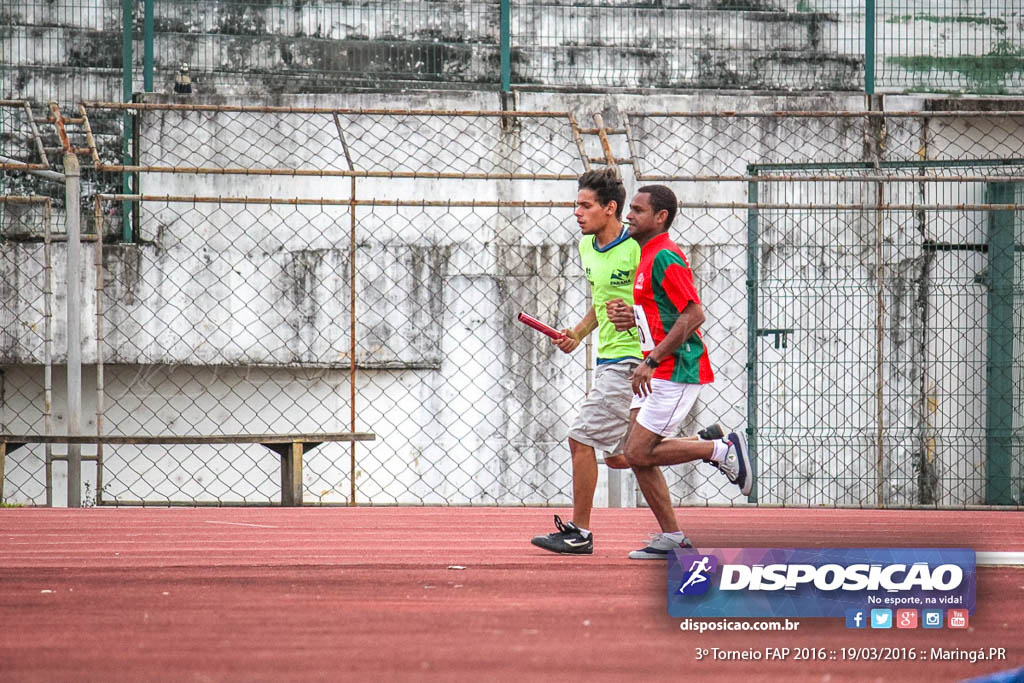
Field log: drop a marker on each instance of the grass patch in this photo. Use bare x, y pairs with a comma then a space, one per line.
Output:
947, 19
989, 71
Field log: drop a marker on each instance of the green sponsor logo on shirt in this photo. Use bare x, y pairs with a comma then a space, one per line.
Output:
621, 277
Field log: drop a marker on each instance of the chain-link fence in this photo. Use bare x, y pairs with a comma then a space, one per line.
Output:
76, 50
938, 46
362, 270
31, 210
884, 316
906, 360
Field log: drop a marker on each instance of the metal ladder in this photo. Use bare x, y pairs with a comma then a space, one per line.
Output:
603, 133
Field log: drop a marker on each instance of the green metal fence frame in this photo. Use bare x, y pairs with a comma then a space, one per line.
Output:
869, 47
999, 415
1001, 248
505, 45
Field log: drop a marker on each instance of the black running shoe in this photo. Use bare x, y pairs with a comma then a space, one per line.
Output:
567, 540
711, 433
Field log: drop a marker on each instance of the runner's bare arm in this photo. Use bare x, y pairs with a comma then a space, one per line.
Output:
578, 333
688, 322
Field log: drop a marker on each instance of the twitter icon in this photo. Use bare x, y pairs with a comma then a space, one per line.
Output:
881, 618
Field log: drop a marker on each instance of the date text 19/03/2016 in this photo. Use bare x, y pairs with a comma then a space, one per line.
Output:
971, 655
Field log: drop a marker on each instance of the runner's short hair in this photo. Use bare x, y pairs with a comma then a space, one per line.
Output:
662, 198
608, 187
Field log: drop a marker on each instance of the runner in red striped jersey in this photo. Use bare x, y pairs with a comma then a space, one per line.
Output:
668, 314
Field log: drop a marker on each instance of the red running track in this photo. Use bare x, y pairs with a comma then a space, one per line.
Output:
271, 594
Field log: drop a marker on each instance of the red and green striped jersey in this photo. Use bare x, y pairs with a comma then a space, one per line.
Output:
664, 286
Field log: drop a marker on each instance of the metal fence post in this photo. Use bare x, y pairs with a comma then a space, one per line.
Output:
353, 272
876, 126
3, 174
869, 47
126, 117
999, 399
73, 192
147, 50
752, 257
506, 46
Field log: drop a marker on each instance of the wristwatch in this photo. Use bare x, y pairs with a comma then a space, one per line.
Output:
651, 363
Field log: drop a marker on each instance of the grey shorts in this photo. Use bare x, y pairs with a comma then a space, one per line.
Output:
604, 416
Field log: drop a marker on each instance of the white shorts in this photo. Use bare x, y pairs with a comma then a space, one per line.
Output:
604, 416
663, 410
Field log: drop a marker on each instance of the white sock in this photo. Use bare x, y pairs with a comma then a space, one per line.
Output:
585, 533
674, 535
721, 449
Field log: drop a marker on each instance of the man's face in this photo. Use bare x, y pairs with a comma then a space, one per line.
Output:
590, 215
644, 223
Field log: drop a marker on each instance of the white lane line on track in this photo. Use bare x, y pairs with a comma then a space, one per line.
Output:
999, 559
262, 526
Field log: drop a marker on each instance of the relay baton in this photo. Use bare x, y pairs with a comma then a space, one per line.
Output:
530, 321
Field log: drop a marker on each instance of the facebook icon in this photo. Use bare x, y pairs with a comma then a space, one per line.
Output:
856, 618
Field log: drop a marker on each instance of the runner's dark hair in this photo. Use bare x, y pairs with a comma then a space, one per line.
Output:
662, 198
607, 185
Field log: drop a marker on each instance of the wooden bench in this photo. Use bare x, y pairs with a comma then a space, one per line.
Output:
289, 446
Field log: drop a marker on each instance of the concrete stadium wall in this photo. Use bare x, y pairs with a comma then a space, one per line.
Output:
72, 50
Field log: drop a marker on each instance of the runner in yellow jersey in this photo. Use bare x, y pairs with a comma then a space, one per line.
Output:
610, 259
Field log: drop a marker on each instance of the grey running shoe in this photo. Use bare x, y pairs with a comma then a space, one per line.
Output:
659, 548
737, 463
567, 540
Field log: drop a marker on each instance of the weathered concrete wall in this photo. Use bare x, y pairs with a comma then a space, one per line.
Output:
72, 51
